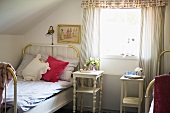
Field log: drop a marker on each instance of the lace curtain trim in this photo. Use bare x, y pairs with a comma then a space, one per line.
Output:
123, 3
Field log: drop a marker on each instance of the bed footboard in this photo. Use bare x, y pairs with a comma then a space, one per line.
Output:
15, 89
147, 95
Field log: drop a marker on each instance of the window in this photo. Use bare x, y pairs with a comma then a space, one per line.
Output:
120, 32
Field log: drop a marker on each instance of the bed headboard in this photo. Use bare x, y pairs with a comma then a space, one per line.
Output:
67, 51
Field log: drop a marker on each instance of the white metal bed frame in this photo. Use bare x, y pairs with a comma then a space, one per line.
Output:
15, 89
67, 51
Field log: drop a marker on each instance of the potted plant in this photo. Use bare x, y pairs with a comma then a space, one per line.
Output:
93, 62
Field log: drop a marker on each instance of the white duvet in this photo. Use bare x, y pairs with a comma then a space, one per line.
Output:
31, 93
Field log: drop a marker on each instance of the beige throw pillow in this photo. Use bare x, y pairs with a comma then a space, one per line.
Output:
35, 69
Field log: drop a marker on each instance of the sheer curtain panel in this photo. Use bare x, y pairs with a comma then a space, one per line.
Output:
152, 40
90, 46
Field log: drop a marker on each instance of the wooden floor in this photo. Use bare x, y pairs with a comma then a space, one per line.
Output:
69, 111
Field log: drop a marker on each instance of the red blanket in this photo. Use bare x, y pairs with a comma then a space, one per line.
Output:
162, 94
5, 75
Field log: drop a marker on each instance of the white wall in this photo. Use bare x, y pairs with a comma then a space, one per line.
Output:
114, 69
71, 13
68, 13
11, 49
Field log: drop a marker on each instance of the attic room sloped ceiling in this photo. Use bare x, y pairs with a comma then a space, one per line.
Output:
18, 16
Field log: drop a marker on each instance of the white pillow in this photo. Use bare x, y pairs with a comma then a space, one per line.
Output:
35, 69
66, 74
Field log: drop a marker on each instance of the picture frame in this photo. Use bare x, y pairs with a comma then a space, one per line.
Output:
69, 33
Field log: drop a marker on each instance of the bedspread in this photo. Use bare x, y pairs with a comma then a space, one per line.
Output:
5, 76
31, 93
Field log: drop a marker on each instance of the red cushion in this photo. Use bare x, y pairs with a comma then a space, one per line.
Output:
57, 67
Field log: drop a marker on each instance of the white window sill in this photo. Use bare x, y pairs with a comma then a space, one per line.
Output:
121, 57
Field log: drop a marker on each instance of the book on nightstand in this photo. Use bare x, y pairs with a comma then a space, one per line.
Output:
133, 76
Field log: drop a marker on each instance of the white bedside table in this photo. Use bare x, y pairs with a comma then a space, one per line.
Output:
93, 90
126, 101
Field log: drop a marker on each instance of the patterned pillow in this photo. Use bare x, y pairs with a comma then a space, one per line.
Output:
35, 69
27, 58
66, 74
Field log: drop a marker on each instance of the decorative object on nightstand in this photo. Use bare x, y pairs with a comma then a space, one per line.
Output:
126, 101
95, 75
136, 74
139, 71
92, 62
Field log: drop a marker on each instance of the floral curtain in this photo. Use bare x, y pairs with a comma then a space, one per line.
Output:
123, 3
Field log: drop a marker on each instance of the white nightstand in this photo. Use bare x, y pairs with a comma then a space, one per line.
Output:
95, 75
126, 101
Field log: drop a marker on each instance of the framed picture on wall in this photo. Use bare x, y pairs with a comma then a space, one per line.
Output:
69, 33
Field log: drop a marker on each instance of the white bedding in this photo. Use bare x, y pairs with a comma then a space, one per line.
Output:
151, 107
31, 93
